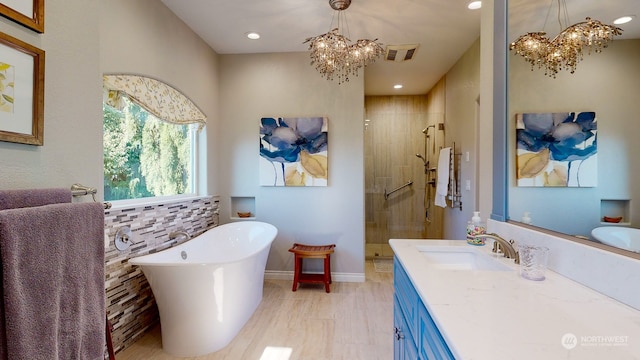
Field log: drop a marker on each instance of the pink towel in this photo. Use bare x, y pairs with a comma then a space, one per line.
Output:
53, 282
13, 199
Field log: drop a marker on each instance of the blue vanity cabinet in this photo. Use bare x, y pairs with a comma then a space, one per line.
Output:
431, 340
416, 336
404, 347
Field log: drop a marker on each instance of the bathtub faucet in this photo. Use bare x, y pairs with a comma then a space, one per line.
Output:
176, 234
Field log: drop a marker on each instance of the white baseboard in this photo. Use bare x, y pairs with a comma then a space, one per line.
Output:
339, 277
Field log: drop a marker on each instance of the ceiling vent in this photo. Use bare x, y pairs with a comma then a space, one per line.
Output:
400, 53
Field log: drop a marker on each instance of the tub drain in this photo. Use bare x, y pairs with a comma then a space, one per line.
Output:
184, 255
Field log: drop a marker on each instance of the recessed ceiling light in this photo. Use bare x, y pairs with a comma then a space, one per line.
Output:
397, 86
623, 19
474, 5
253, 35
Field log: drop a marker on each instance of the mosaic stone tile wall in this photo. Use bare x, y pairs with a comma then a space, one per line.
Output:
131, 308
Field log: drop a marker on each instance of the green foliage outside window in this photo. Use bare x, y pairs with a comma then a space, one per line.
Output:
144, 156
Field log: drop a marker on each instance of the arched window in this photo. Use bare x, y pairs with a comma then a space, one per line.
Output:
149, 139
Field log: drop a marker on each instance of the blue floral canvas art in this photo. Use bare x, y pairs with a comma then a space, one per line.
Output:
557, 149
293, 151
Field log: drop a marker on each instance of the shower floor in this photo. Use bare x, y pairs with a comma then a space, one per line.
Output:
383, 265
372, 251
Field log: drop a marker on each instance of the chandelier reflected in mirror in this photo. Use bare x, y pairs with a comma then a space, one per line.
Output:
333, 54
567, 49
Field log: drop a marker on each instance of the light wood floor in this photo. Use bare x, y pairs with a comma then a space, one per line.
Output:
354, 321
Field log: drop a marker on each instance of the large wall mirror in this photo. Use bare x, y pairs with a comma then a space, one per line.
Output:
607, 84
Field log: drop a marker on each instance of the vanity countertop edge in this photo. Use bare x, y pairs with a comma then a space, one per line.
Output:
497, 315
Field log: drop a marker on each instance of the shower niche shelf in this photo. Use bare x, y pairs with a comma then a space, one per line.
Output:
615, 208
243, 205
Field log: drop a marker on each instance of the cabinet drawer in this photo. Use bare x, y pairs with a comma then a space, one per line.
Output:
432, 344
407, 297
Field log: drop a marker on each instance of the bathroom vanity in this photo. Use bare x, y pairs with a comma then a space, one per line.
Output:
414, 329
458, 301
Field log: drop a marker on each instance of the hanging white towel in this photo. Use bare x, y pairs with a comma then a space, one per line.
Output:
442, 184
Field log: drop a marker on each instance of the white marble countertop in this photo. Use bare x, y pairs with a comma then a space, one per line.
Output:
495, 315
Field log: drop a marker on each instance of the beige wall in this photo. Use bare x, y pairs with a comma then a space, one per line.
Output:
72, 150
235, 91
83, 39
143, 37
283, 84
462, 123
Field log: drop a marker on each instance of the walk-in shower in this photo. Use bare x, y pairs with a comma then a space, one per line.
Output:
394, 181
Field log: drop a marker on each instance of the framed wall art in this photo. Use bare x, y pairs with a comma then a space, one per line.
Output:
21, 92
557, 149
293, 151
27, 13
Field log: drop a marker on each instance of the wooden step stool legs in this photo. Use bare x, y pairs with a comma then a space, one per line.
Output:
302, 251
297, 272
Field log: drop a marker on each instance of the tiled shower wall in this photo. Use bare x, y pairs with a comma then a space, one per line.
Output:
393, 136
131, 308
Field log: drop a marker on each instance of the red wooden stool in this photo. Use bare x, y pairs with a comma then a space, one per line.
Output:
312, 252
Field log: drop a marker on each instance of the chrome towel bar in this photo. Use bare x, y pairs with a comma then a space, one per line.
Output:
81, 190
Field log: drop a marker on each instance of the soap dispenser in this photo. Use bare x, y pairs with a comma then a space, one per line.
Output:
526, 219
475, 219
475, 227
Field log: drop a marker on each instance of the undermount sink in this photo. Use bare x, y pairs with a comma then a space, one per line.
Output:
460, 258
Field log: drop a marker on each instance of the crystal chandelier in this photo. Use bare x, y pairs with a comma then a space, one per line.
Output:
333, 54
567, 49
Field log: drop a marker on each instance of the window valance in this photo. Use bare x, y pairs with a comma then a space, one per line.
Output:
158, 98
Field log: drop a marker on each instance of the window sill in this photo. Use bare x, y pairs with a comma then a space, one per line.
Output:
125, 204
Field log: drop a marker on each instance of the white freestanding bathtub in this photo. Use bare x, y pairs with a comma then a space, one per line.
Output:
207, 288
621, 237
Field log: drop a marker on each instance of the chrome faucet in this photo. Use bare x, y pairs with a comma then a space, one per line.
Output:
176, 234
506, 246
